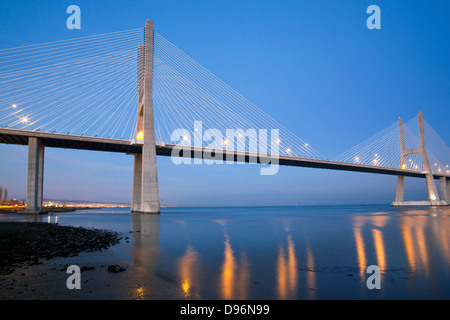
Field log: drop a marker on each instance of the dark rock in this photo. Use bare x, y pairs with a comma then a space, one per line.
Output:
25, 243
116, 268
84, 268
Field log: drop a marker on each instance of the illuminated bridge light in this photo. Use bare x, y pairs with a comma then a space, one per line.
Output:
24, 120
14, 106
403, 166
140, 135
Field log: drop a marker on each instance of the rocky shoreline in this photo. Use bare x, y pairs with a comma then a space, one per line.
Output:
27, 243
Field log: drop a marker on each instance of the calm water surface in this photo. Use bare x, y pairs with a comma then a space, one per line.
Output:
311, 252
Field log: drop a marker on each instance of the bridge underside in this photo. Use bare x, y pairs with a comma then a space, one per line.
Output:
248, 157
66, 141
53, 140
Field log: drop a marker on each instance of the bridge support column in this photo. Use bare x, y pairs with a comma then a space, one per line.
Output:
448, 191
35, 177
145, 170
445, 189
137, 184
400, 195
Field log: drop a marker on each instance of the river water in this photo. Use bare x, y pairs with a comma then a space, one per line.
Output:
298, 252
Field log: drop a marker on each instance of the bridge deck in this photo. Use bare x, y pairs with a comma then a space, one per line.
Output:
66, 141
56, 140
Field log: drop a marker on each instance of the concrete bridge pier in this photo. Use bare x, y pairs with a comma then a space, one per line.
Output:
145, 196
35, 177
445, 189
136, 197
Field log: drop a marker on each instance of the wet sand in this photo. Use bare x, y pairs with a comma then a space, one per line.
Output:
47, 281
35, 257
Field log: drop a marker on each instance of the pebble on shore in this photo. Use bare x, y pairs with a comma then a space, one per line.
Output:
26, 243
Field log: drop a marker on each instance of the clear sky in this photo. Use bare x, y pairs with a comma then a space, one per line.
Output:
314, 66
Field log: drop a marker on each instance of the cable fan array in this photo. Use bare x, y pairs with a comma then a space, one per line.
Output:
383, 149
84, 86
184, 92
89, 86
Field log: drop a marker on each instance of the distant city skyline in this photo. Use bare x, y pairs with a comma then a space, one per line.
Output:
314, 67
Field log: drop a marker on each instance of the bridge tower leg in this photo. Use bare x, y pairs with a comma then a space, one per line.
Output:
35, 177
431, 186
448, 191
400, 194
445, 189
433, 196
145, 196
137, 184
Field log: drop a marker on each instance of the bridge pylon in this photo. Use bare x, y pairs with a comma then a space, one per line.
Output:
145, 197
35, 177
433, 196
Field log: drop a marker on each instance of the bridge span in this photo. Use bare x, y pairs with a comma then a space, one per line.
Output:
66, 141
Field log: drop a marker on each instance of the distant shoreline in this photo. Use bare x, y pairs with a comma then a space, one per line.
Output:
49, 209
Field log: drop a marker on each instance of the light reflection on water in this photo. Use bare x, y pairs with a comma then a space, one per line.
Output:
317, 252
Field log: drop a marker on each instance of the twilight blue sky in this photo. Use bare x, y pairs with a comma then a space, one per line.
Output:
312, 65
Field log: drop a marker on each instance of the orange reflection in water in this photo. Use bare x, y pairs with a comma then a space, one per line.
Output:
413, 232
311, 276
379, 248
235, 275
376, 223
444, 235
281, 274
409, 247
287, 275
140, 293
360, 251
422, 248
420, 231
188, 267
228, 271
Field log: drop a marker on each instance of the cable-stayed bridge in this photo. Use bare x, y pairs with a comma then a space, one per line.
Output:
134, 92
